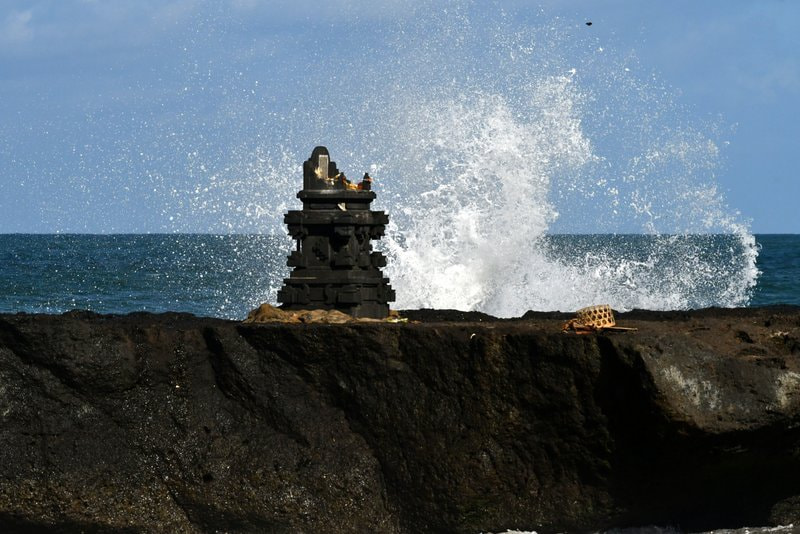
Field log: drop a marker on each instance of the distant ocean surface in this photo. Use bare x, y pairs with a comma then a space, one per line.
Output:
228, 275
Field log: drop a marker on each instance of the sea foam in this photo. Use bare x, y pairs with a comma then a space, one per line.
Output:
526, 131
488, 134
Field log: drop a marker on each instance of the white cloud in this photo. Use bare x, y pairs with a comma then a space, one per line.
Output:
175, 12
16, 28
775, 76
244, 5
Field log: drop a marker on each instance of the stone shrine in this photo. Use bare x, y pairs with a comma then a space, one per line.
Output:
334, 266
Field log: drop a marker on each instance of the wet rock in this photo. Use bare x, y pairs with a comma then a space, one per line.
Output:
175, 423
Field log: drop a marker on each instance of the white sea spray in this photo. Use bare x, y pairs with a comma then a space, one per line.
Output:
542, 138
485, 136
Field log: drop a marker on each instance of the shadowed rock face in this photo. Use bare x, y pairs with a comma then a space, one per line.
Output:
459, 423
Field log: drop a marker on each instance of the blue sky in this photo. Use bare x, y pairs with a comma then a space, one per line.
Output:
125, 116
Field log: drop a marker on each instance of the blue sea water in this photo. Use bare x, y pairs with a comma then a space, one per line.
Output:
779, 262
228, 275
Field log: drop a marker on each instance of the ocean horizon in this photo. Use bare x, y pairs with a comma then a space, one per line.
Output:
226, 275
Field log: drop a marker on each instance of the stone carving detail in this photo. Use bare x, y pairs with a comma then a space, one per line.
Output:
334, 266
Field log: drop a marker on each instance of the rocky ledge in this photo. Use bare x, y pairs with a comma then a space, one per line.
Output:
455, 423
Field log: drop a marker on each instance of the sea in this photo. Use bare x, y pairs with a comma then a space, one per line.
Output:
225, 276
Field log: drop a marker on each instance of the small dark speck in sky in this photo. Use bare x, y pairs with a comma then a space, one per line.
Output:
589, 23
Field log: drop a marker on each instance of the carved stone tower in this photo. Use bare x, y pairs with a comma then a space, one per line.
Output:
334, 266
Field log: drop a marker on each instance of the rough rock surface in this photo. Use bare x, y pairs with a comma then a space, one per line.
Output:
456, 423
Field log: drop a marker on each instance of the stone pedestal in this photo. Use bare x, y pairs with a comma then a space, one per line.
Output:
334, 266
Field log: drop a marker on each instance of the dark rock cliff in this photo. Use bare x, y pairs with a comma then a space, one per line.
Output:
157, 423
